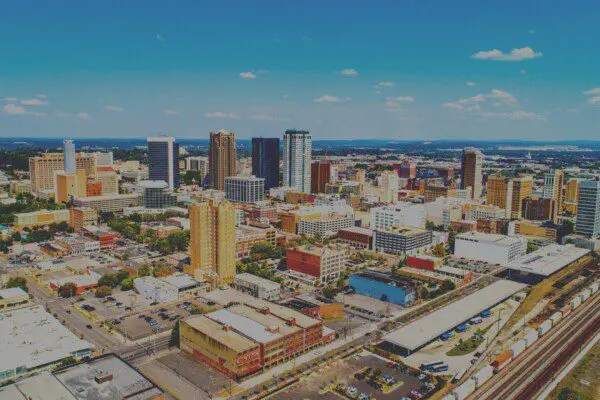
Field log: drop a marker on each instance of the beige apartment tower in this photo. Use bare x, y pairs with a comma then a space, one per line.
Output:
500, 193
212, 242
571, 196
522, 189
470, 171
42, 168
221, 158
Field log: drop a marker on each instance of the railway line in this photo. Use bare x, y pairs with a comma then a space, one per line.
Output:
527, 374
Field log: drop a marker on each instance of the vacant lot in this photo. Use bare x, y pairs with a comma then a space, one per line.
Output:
583, 383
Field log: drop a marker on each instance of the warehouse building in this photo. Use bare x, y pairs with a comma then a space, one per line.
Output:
35, 341
418, 334
489, 247
384, 287
544, 262
13, 298
257, 286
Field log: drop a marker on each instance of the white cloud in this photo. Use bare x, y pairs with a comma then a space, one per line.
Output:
160, 38
525, 53
42, 96
268, 118
331, 99
114, 109
247, 75
515, 115
595, 101
459, 107
385, 84
83, 115
34, 102
592, 92
8, 99
349, 72
171, 112
12, 109
219, 114
401, 99
471, 84
499, 97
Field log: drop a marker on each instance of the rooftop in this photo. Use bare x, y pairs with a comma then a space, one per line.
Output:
357, 229
489, 238
34, 338
244, 325
548, 259
257, 280
216, 330
424, 330
303, 321
12, 293
404, 230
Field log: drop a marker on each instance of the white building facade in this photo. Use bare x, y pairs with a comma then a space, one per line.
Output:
297, 151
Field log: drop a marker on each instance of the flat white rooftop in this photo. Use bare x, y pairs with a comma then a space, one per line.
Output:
11, 293
424, 330
480, 237
31, 338
244, 326
258, 281
548, 259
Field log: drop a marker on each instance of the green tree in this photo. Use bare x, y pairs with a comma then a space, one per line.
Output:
163, 271
531, 247
17, 281
127, 284
103, 291
69, 289
448, 285
145, 270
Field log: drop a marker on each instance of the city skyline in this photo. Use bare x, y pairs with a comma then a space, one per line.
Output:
386, 72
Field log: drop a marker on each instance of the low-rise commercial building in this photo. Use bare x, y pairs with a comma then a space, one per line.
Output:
155, 289
13, 298
324, 225
357, 237
83, 216
247, 236
401, 240
322, 262
257, 286
109, 203
314, 307
491, 248
83, 282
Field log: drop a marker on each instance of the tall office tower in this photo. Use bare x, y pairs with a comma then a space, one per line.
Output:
470, 171
522, 189
500, 193
552, 189
297, 152
221, 158
588, 209
571, 196
212, 242
245, 189
69, 156
320, 175
265, 160
163, 160
42, 168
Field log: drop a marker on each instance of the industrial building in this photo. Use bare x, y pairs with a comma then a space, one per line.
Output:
104, 377
322, 262
35, 341
385, 287
488, 247
314, 307
245, 339
540, 264
170, 288
416, 335
13, 298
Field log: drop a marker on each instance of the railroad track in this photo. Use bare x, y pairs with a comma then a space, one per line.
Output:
530, 372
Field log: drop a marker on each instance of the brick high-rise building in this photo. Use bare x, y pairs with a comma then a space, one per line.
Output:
222, 158
406, 170
212, 242
470, 171
320, 175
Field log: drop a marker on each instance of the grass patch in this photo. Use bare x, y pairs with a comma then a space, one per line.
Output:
464, 347
583, 382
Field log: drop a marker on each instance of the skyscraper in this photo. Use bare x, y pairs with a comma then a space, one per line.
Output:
552, 189
212, 242
470, 171
221, 158
320, 175
69, 156
522, 189
500, 193
163, 160
571, 196
588, 209
265, 160
297, 151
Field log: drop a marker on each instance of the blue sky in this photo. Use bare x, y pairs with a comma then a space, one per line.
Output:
419, 69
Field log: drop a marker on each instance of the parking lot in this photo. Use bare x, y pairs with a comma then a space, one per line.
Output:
360, 377
156, 318
116, 305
